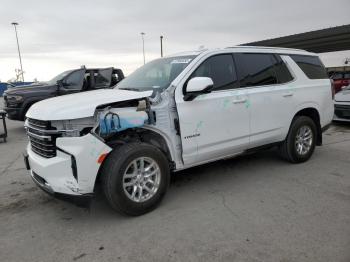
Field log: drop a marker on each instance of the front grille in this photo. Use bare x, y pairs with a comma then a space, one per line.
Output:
5, 101
39, 123
342, 111
42, 137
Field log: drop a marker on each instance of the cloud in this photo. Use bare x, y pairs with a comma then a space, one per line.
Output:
56, 35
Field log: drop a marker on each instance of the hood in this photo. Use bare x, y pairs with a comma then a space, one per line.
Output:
343, 96
32, 89
80, 105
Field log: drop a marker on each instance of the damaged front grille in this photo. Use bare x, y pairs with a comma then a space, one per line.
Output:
42, 137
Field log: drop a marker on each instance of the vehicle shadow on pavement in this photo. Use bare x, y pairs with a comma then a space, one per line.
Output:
341, 126
208, 179
210, 176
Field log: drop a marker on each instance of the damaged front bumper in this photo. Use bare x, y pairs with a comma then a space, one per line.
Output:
71, 174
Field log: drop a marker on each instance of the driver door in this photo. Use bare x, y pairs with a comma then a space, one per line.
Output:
216, 124
72, 83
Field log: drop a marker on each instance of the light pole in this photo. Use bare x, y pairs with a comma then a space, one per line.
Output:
19, 52
161, 46
143, 47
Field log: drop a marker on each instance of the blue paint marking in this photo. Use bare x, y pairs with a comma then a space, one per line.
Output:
112, 123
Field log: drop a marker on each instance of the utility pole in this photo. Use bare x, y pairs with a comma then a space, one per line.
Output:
19, 52
161, 46
143, 47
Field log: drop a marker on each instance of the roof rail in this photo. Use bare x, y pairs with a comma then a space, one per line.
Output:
263, 47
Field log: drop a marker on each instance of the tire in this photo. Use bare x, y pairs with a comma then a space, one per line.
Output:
115, 175
23, 117
290, 149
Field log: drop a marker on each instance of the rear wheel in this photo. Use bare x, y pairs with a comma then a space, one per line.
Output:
135, 178
301, 139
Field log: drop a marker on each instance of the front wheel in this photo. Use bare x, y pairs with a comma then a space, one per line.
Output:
135, 178
301, 139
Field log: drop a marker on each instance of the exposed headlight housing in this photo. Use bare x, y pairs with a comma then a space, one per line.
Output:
74, 127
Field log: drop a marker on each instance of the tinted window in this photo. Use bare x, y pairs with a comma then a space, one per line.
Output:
75, 80
103, 78
255, 69
337, 76
282, 71
311, 66
346, 75
220, 69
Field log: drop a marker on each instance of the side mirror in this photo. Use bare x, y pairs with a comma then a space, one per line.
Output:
197, 86
61, 83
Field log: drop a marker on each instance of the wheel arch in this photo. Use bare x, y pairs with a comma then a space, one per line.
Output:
314, 114
27, 105
144, 135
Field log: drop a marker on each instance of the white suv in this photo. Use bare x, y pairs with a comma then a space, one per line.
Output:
174, 113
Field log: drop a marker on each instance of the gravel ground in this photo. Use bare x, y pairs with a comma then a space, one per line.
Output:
251, 208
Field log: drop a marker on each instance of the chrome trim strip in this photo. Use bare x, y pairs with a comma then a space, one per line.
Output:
50, 131
39, 136
40, 143
42, 149
40, 154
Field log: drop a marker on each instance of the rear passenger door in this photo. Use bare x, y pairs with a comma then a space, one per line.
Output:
265, 78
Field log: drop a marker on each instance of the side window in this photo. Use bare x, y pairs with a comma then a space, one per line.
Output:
75, 80
282, 71
311, 66
347, 75
103, 78
220, 69
337, 76
255, 69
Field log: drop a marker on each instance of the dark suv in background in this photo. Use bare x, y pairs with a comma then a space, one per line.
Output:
18, 100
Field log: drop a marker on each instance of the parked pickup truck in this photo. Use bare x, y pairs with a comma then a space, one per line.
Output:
19, 100
174, 113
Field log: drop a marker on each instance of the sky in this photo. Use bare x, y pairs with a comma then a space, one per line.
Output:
55, 36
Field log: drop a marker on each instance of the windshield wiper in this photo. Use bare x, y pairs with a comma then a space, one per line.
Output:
129, 88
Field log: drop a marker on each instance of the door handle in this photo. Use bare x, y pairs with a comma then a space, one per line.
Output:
240, 101
288, 95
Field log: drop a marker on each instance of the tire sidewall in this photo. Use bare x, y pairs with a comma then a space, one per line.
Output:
297, 124
115, 189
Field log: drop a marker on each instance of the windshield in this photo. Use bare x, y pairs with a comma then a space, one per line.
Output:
157, 74
54, 80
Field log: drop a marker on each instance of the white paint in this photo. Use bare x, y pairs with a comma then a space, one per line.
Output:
80, 105
213, 126
198, 84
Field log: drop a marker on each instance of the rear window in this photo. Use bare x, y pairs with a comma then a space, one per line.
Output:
311, 66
